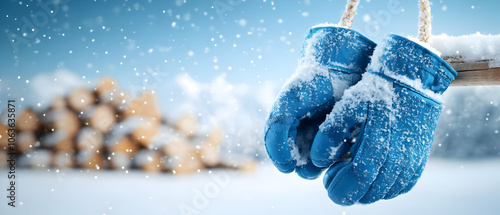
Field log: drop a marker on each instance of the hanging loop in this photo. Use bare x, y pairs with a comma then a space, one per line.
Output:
350, 11
424, 21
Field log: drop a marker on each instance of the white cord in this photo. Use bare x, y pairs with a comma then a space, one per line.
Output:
350, 11
424, 22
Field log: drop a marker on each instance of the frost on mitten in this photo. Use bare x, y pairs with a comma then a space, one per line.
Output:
386, 121
332, 59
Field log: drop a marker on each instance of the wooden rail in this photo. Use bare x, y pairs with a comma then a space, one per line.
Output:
480, 73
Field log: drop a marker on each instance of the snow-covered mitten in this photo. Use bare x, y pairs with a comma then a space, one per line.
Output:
332, 59
386, 121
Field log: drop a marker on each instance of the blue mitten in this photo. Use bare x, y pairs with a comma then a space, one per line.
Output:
332, 59
386, 122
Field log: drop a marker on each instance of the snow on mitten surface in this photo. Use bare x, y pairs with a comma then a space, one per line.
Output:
332, 59
386, 121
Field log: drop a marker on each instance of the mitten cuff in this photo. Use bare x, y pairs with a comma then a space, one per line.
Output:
408, 63
336, 48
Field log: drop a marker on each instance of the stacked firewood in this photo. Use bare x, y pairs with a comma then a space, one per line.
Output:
105, 128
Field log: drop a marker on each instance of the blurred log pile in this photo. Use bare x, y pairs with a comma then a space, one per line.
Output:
105, 128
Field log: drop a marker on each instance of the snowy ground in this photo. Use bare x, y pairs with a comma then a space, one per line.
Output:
447, 187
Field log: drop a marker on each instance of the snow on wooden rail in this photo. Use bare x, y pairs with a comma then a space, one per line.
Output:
479, 73
476, 57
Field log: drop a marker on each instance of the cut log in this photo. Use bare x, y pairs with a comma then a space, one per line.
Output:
210, 150
176, 145
80, 99
4, 136
118, 99
39, 158
106, 85
91, 160
63, 160
183, 164
28, 121
62, 120
102, 117
147, 130
163, 135
187, 124
120, 146
148, 160
89, 139
65, 145
121, 101
58, 141
145, 106
181, 158
120, 161
125, 146
109, 93
189, 163
26, 141
59, 103
141, 130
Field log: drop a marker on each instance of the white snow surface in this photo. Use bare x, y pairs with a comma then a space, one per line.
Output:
144, 157
425, 45
446, 187
308, 66
125, 127
38, 158
47, 86
473, 47
326, 24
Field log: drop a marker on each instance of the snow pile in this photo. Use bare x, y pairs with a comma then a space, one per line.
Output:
326, 24
48, 86
473, 47
236, 108
38, 158
308, 66
425, 45
127, 126
144, 157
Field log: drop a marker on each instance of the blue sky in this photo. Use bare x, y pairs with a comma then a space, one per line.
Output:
251, 41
